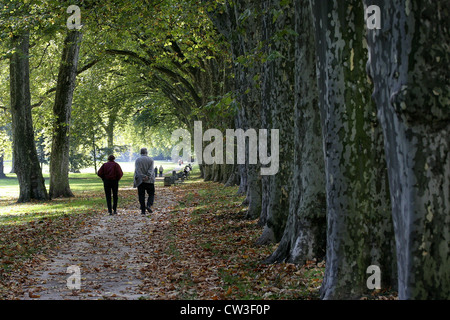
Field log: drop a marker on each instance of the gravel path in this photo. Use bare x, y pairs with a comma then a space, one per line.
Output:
107, 256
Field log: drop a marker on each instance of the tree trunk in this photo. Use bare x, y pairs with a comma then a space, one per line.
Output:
249, 97
12, 158
109, 129
2, 168
254, 192
278, 87
359, 227
216, 172
304, 237
110, 135
409, 61
26, 162
226, 172
202, 170
62, 109
265, 196
234, 177
240, 24
266, 122
241, 124
207, 171
94, 151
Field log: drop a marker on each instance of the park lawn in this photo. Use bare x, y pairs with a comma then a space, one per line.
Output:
87, 188
127, 167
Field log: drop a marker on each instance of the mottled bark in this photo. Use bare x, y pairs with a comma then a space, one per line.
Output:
226, 172
62, 109
254, 192
240, 24
278, 87
241, 123
207, 172
216, 172
26, 162
409, 59
202, 170
304, 237
359, 227
266, 122
233, 179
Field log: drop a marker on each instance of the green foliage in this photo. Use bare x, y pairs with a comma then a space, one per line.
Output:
79, 159
5, 130
222, 107
146, 69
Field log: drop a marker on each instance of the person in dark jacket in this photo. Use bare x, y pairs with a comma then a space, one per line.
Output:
111, 173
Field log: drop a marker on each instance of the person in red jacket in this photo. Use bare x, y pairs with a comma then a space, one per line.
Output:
111, 173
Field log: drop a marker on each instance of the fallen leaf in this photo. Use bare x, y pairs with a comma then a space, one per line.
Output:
33, 296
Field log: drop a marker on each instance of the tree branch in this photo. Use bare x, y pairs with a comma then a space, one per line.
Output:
88, 66
129, 54
42, 57
173, 75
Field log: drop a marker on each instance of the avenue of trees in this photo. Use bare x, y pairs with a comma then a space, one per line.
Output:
360, 98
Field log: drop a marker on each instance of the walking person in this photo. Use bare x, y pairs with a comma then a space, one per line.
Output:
161, 170
111, 173
144, 180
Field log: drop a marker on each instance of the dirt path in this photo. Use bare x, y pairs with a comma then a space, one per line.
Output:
109, 251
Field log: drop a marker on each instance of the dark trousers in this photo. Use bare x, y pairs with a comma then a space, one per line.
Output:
150, 189
111, 186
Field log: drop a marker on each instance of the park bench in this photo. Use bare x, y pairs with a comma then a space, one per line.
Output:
180, 176
175, 178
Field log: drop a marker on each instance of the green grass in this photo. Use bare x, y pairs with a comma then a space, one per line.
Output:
126, 167
85, 181
87, 188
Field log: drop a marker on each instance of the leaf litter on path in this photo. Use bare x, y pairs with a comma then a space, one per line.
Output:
110, 252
